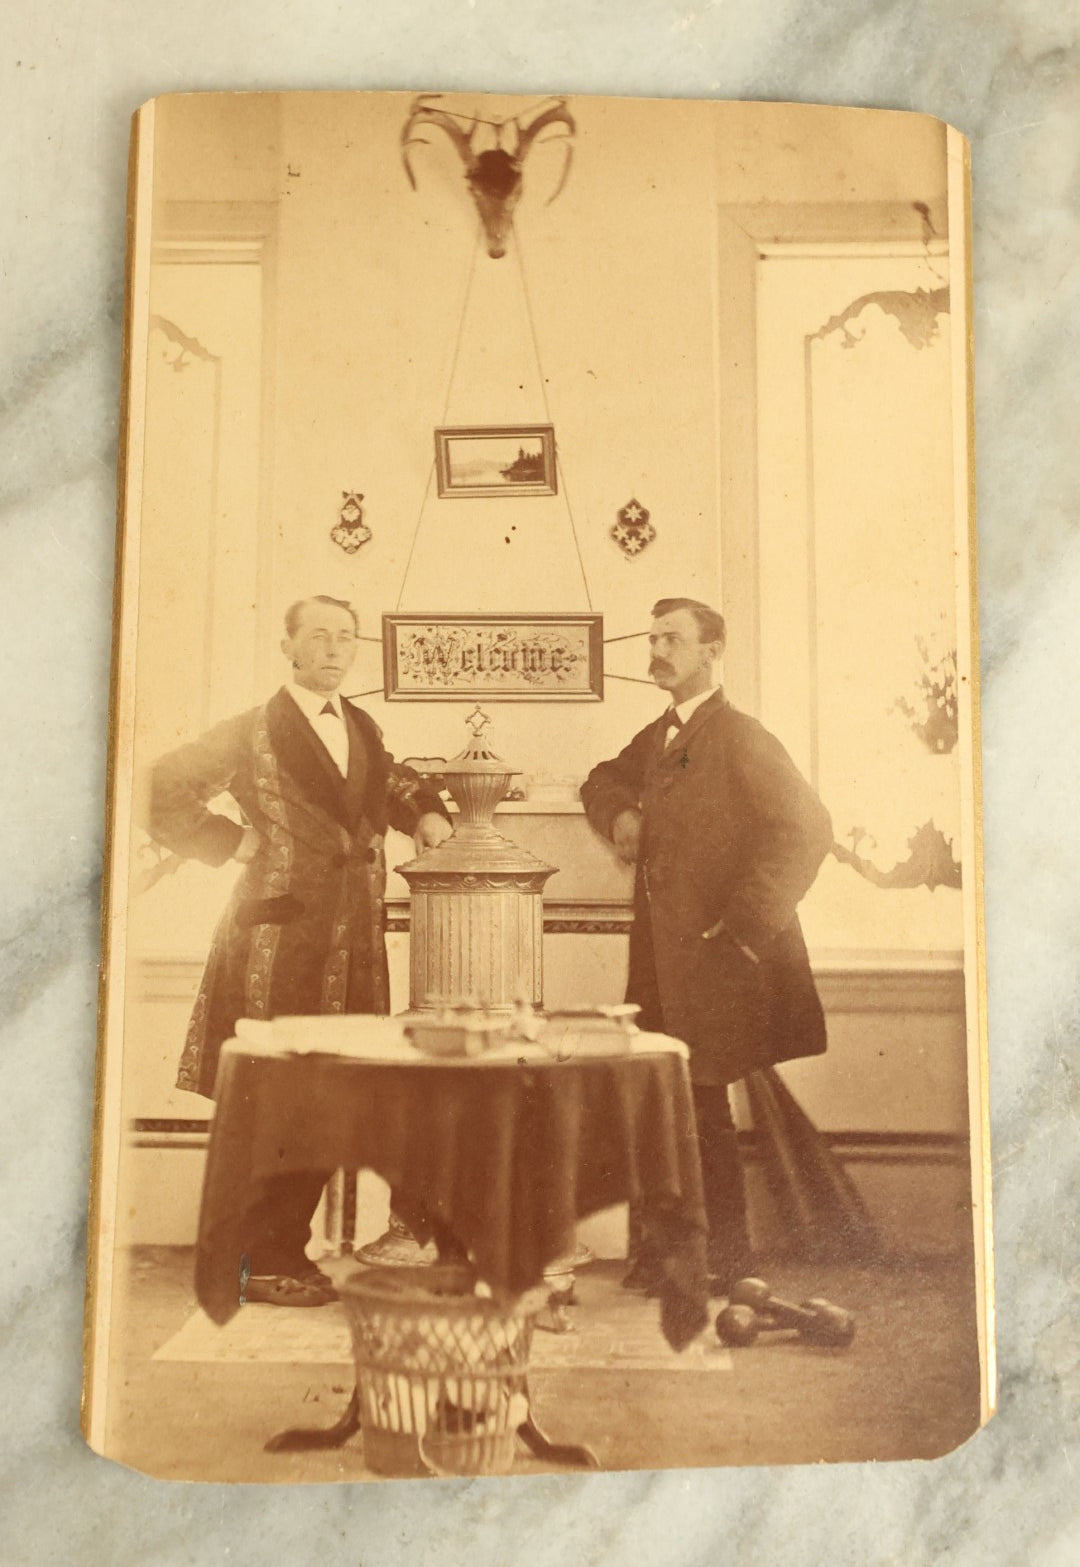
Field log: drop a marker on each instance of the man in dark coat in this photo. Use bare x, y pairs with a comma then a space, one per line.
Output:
303, 930
727, 837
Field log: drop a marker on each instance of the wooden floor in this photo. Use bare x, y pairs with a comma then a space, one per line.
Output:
906, 1388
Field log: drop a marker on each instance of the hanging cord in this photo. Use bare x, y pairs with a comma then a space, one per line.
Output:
565, 490
634, 680
442, 419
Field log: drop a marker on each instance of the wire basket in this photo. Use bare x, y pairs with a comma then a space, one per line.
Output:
442, 1373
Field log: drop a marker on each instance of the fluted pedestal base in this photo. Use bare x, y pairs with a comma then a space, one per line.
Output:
477, 940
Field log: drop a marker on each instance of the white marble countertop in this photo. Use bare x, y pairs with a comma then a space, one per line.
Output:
1005, 71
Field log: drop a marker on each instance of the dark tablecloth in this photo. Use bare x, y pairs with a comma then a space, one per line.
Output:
507, 1157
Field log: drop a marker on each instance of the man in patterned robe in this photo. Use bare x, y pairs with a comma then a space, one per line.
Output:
302, 932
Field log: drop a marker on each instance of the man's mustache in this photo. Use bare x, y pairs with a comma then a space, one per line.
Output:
659, 668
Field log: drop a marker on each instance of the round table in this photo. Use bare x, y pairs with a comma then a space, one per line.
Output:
497, 1157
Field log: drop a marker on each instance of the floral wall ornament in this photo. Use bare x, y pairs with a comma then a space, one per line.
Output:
350, 531
931, 861
933, 715
915, 312
632, 530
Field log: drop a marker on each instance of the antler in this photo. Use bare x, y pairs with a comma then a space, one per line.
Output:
421, 110
558, 114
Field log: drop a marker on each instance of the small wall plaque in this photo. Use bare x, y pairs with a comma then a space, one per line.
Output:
632, 530
351, 530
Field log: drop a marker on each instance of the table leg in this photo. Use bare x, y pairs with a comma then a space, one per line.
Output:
555, 1318
559, 1281
300, 1439
539, 1443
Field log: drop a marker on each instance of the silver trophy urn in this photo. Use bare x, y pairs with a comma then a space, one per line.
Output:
477, 906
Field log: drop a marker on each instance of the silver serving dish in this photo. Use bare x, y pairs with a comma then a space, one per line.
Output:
618, 1018
457, 1031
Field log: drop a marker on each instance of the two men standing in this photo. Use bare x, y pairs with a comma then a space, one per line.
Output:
727, 837
303, 930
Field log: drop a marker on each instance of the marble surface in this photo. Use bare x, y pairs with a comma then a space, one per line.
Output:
1005, 71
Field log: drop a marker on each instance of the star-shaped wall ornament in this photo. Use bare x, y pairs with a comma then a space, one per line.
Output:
632, 530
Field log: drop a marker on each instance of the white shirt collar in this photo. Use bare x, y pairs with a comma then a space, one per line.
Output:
311, 703
692, 703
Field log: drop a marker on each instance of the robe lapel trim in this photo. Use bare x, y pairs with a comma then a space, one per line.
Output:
264, 938
361, 753
303, 756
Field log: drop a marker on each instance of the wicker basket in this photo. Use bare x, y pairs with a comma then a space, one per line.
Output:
441, 1371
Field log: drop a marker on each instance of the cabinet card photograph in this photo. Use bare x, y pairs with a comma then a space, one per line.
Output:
542, 1021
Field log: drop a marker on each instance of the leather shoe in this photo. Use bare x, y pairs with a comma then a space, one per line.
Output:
397, 1247
278, 1289
313, 1274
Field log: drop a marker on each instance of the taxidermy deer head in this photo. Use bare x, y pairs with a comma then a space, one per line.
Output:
493, 175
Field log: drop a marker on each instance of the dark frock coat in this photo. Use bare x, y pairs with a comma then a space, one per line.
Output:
732, 835
303, 931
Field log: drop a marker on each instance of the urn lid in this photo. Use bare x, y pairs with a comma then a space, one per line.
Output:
478, 757
475, 852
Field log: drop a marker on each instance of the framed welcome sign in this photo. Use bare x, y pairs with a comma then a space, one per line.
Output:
521, 658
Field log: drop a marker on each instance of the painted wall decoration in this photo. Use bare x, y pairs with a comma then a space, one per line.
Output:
933, 713
505, 459
350, 530
519, 657
632, 530
931, 861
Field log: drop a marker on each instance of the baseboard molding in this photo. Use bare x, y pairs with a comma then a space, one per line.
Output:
851, 983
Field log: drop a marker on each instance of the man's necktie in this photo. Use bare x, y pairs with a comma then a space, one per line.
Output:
674, 724
329, 708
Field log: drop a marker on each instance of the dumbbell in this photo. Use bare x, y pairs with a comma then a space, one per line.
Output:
817, 1320
738, 1326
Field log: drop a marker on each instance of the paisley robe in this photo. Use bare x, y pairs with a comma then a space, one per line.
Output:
303, 931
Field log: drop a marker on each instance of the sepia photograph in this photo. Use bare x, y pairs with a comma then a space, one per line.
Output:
543, 1001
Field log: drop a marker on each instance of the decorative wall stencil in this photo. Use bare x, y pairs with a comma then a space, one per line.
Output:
632, 530
518, 657
182, 348
933, 715
498, 459
915, 311
151, 863
493, 174
931, 861
350, 530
